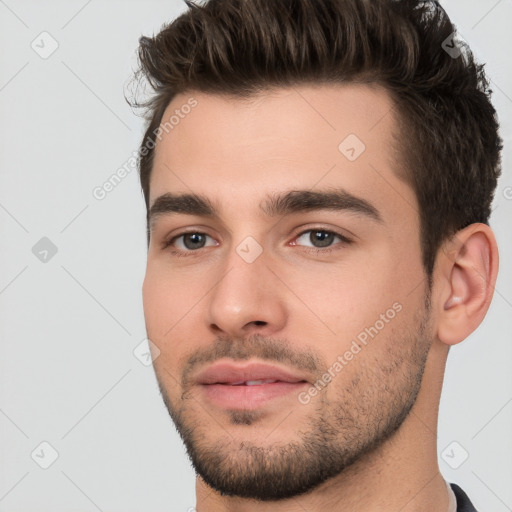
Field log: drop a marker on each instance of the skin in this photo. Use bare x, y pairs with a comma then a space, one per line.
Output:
237, 151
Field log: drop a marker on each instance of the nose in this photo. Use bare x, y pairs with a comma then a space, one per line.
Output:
247, 299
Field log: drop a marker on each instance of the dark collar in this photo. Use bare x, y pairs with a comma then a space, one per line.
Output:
463, 502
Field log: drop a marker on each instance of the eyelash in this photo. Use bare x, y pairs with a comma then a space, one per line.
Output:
315, 250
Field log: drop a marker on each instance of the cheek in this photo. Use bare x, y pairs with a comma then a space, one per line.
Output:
154, 299
163, 309
344, 293
163, 303
336, 303
174, 305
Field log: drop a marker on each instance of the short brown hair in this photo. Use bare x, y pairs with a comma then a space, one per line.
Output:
451, 154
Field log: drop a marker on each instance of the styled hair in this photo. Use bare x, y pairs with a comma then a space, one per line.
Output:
447, 143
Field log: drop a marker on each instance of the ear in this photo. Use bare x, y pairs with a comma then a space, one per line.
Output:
467, 271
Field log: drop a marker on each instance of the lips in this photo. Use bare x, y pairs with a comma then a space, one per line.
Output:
248, 374
248, 386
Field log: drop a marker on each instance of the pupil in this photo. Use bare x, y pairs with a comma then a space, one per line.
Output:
193, 240
321, 238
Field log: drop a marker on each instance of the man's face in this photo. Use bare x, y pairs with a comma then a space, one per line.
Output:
290, 308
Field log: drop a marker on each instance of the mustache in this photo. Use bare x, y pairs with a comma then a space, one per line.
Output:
276, 350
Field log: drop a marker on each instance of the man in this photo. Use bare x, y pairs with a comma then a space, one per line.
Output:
318, 176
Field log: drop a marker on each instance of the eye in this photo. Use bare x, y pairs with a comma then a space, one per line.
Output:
189, 242
320, 238
317, 240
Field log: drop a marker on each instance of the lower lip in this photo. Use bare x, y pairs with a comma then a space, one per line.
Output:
249, 397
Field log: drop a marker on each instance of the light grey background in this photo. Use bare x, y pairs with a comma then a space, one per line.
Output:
69, 326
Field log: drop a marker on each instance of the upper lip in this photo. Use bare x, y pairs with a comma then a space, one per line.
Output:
229, 373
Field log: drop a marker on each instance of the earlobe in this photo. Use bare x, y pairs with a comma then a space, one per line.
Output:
468, 270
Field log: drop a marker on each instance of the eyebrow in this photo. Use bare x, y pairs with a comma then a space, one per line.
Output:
294, 201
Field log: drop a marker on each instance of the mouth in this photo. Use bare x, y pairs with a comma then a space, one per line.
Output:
250, 382
249, 386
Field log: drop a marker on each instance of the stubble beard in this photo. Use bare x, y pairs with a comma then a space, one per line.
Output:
365, 413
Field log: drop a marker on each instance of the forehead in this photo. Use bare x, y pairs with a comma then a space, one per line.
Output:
302, 137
